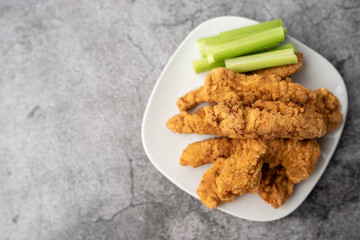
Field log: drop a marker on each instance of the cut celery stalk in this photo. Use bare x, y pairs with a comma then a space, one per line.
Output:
285, 46
254, 42
264, 48
217, 40
201, 43
252, 28
262, 60
202, 65
275, 48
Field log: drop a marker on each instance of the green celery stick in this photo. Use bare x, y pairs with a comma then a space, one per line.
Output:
264, 48
252, 28
218, 40
218, 52
201, 43
262, 60
285, 46
202, 65
274, 48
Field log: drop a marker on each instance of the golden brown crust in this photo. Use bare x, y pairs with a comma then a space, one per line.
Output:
275, 186
299, 159
237, 163
207, 190
241, 172
229, 177
224, 83
207, 151
265, 119
192, 123
328, 105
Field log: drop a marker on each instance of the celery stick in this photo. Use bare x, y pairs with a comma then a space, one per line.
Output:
274, 48
252, 28
202, 65
201, 43
262, 60
285, 46
264, 48
217, 40
217, 52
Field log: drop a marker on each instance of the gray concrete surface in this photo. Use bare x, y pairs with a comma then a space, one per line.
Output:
75, 79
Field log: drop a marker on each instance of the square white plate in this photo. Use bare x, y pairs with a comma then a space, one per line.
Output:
164, 147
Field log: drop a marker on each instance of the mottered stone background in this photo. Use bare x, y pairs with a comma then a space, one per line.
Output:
75, 79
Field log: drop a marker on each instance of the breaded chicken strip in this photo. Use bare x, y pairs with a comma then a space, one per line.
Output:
207, 151
220, 81
267, 120
328, 105
275, 186
207, 190
298, 157
223, 83
192, 123
236, 175
241, 172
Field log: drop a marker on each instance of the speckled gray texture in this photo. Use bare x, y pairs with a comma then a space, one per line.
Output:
75, 80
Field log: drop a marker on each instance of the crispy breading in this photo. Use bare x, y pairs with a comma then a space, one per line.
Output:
327, 104
241, 172
207, 151
275, 186
237, 164
223, 84
265, 119
236, 175
299, 157
207, 190
192, 123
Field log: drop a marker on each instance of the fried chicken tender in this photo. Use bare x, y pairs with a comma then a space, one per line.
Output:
223, 78
275, 186
233, 176
267, 120
327, 104
207, 151
207, 190
298, 157
223, 84
241, 172
192, 123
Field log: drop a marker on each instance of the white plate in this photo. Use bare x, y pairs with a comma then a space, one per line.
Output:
164, 147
